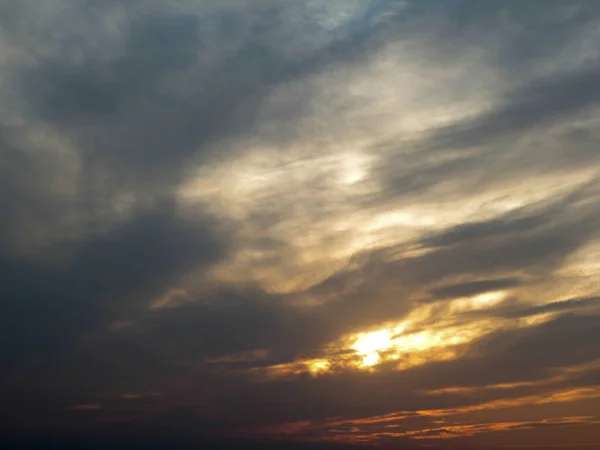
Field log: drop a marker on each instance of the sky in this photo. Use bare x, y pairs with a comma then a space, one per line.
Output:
300, 224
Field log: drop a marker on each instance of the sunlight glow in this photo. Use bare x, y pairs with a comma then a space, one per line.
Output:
319, 366
410, 348
368, 345
424, 336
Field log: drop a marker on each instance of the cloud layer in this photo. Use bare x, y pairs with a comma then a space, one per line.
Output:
322, 224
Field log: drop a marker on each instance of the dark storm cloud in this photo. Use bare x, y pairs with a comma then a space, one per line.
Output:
125, 117
46, 305
89, 92
231, 322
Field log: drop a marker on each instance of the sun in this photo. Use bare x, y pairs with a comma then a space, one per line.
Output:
368, 345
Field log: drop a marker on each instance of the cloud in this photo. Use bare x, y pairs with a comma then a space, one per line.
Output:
475, 287
90, 287
301, 220
542, 102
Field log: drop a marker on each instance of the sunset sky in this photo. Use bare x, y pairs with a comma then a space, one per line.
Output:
300, 224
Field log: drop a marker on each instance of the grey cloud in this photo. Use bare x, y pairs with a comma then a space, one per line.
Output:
516, 35
493, 228
230, 322
543, 237
520, 138
44, 307
121, 113
518, 134
554, 307
474, 287
124, 112
542, 102
567, 211
90, 92
587, 378
568, 340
